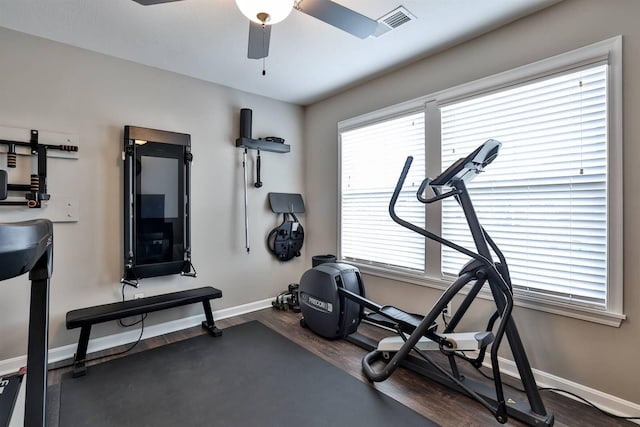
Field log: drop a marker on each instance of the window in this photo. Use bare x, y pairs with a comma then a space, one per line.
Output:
552, 200
372, 157
544, 200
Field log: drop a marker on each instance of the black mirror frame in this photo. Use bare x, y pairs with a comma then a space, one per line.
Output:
134, 136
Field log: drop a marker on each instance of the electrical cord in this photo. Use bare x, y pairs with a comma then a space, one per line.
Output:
128, 349
444, 319
127, 325
609, 414
559, 390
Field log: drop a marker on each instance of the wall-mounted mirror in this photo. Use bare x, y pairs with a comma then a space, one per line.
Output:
156, 203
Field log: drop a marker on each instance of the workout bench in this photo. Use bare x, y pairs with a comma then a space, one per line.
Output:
84, 318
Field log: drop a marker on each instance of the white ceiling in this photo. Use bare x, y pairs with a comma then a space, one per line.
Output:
207, 39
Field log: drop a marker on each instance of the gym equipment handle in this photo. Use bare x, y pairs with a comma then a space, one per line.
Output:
423, 231
369, 372
400, 183
436, 191
258, 183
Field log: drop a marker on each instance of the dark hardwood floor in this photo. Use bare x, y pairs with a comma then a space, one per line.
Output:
435, 402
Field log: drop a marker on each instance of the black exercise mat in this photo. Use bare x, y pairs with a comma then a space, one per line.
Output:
251, 376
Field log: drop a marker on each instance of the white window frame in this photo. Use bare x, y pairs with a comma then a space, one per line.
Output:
609, 50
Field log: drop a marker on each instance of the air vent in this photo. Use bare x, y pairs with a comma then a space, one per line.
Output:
393, 20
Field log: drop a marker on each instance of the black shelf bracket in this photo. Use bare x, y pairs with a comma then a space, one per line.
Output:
260, 144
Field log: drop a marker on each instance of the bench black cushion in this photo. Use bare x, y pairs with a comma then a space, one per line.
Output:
119, 310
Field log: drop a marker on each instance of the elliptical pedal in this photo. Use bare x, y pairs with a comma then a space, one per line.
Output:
461, 341
407, 321
393, 318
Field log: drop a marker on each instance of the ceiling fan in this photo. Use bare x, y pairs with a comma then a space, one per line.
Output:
264, 13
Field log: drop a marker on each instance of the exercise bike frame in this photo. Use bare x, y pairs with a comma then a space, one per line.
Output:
483, 270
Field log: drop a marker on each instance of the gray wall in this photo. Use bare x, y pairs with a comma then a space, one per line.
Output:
601, 357
46, 85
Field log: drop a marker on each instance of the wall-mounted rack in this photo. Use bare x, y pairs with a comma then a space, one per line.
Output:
261, 144
247, 142
35, 192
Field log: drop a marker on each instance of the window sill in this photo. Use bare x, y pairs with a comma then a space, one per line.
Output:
588, 314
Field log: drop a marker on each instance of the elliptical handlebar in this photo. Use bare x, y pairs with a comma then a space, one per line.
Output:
415, 228
438, 195
371, 373
423, 187
398, 189
394, 200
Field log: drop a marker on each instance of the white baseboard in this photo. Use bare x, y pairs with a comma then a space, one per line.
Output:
109, 341
602, 400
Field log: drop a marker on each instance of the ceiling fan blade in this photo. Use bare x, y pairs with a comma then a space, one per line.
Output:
339, 16
259, 37
152, 2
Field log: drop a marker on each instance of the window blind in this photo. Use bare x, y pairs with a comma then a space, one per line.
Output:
544, 199
372, 157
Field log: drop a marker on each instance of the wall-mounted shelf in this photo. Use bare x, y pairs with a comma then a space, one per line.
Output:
260, 144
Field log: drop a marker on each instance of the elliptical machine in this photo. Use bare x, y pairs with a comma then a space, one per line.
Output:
332, 302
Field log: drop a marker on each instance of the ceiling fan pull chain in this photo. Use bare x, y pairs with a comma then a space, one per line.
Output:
264, 71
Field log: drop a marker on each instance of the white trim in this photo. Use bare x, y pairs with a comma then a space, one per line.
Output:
596, 52
604, 401
386, 113
339, 197
615, 180
578, 58
102, 343
602, 317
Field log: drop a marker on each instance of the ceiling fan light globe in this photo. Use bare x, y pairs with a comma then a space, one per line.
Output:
275, 10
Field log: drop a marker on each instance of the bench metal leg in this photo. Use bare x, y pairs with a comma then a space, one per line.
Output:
79, 369
209, 323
